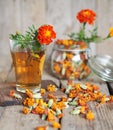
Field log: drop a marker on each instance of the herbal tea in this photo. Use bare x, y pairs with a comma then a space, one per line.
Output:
28, 69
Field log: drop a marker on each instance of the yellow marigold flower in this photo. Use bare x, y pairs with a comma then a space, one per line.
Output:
111, 32
56, 125
38, 110
42, 91
37, 101
82, 110
26, 110
51, 88
54, 106
29, 102
90, 115
61, 105
41, 101
41, 128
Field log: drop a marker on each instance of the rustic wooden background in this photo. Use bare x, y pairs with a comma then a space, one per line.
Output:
19, 14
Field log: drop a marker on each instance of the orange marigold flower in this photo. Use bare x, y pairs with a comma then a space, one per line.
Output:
56, 125
51, 96
38, 110
29, 102
90, 115
41, 128
86, 16
26, 110
51, 88
61, 105
42, 91
111, 32
51, 116
11, 93
57, 68
60, 115
46, 34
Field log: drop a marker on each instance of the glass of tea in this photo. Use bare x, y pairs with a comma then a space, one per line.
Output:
28, 64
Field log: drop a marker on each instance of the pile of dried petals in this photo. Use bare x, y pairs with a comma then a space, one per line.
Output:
69, 60
78, 96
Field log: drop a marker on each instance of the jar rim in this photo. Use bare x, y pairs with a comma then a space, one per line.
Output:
56, 47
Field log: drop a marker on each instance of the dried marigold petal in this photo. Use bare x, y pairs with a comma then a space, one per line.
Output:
26, 110
42, 91
41, 128
11, 93
56, 125
51, 116
51, 88
90, 115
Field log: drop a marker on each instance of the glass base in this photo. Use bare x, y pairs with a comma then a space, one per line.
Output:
22, 88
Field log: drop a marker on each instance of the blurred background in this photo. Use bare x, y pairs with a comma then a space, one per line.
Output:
17, 15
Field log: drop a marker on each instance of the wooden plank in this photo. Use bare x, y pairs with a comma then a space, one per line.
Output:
14, 119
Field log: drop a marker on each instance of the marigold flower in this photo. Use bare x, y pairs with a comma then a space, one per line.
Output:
29, 102
51, 88
57, 68
26, 110
41, 128
86, 16
38, 110
90, 115
51, 116
111, 32
42, 91
56, 125
46, 34
51, 96
61, 105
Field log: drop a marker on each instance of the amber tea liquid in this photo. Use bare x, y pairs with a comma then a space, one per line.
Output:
28, 70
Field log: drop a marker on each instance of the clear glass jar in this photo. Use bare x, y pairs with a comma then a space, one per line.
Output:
102, 66
70, 60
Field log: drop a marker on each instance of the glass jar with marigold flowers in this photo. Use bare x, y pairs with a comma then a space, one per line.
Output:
87, 17
69, 59
28, 55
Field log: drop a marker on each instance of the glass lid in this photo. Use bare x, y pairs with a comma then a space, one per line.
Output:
102, 66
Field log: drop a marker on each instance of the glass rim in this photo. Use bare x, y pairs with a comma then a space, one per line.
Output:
23, 40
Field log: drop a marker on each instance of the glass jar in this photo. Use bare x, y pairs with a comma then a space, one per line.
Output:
69, 60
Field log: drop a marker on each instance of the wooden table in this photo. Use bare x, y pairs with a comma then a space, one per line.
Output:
11, 117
